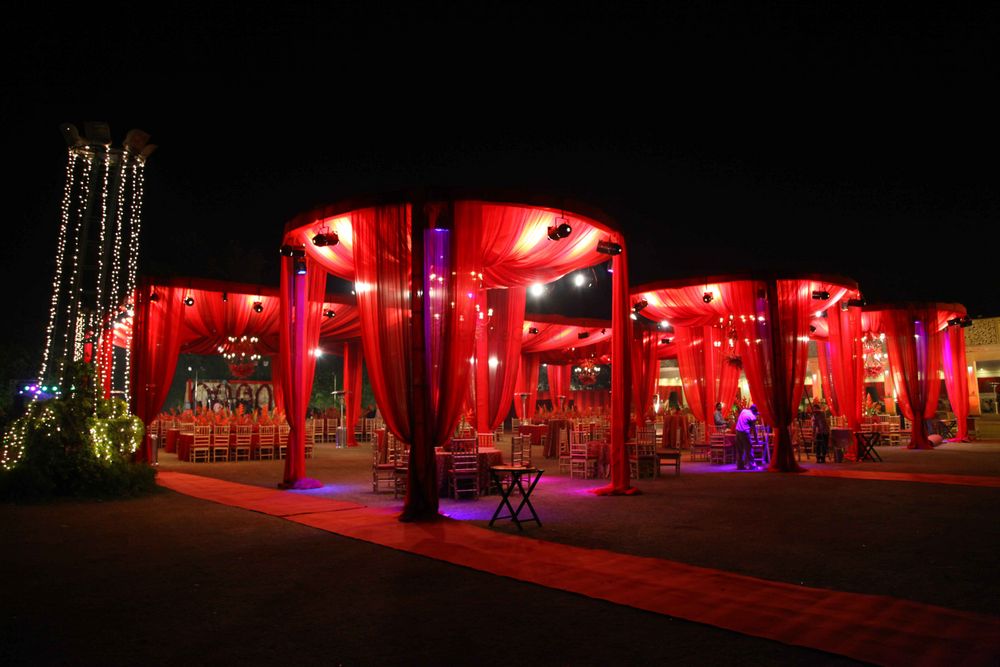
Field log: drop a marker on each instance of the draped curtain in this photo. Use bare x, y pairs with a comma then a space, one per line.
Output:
301, 315
914, 360
956, 380
847, 365
706, 376
352, 389
156, 345
775, 353
559, 382
527, 383
645, 371
498, 355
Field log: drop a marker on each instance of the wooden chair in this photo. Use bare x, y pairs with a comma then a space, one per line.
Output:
515, 426
241, 450
485, 440
368, 428
383, 472
463, 476
201, 446
220, 442
265, 442
669, 457
283, 431
310, 437
642, 457
401, 473
717, 449
581, 462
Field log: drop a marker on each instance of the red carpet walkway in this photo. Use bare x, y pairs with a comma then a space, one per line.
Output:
872, 628
926, 478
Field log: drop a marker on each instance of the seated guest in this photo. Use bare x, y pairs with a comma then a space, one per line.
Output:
720, 422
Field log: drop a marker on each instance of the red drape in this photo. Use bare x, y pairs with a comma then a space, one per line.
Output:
301, 315
645, 371
621, 378
914, 348
559, 381
527, 383
775, 352
156, 344
955, 378
707, 377
847, 366
352, 388
498, 355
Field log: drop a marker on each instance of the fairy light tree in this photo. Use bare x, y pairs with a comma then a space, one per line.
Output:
96, 255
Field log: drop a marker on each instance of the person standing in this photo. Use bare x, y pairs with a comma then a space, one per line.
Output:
821, 432
745, 425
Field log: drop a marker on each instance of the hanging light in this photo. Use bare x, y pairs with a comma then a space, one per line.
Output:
639, 305
533, 330
325, 237
820, 294
189, 300
707, 297
608, 248
258, 307
225, 297
583, 334
328, 313
560, 229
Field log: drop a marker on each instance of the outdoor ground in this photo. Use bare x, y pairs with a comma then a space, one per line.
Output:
169, 578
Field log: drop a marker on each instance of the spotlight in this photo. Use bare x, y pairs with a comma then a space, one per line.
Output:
154, 297
578, 280
533, 330
955, 321
537, 289
966, 322
300, 266
189, 300
291, 251
855, 303
639, 305
818, 294
225, 297
812, 329
666, 341
608, 248
707, 297
560, 230
258, 307
325, 238
328, 313
583, 334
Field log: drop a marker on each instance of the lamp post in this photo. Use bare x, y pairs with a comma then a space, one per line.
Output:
524, 406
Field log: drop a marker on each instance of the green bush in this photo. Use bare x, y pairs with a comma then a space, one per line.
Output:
74, 446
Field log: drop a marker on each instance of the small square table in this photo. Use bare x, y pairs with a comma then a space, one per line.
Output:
866, 445
514, 475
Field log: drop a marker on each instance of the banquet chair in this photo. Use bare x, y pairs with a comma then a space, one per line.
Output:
383, 472
463, 445
401, 473
283, 430
646, 435
310, 437
241, 450
581, 462
463, 476
717, 448
562, 445
265, 442
484, 440
642, 458
498, 433
369, 428
515, 426
220, 442
201, 446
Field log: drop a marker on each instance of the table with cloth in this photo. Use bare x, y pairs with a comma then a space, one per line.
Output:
170, 441
534, 432
841, 443
675, 432
488, 457
382, 443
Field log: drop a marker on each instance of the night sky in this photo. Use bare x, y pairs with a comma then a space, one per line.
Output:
824, 140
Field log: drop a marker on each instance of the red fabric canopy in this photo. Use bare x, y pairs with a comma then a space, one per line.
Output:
708, 374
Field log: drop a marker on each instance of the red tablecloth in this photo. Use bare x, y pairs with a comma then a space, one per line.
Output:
488, 456
675, 432
534, 432
171, 439
552, 446
185, 440
382, 442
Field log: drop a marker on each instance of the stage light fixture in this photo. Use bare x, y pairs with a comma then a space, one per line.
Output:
325, 238
639, 305
533, 330
328, 313
154, 297
300, 266
578, 280
666, 341
258, 307
966, 322
225, 297
583, 334
292, 251
608, 248
560, 229
819, 294
812, 329
707, 297
955, 321
855, 303
189, 300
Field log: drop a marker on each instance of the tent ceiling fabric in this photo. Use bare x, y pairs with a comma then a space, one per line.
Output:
516, 247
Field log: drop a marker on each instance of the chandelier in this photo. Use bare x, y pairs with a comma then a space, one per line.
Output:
241, 355
586, 373
872, 348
